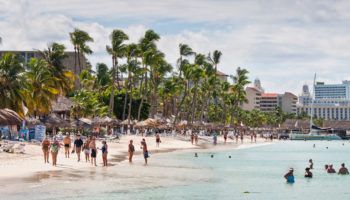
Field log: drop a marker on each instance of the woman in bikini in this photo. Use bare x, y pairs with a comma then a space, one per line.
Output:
104, 153
55, 146
45, 145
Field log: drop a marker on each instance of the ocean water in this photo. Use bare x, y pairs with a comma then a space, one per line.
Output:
251, 173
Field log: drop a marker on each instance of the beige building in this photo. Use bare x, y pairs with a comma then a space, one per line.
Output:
267, 102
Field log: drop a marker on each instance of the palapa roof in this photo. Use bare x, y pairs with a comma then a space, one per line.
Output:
54, 120
105, 120
147, 123
295, 124
33, 121
62, 104
77, 123
126, 122
9, 117
345, 125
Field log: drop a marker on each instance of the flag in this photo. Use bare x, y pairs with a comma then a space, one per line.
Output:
25, 109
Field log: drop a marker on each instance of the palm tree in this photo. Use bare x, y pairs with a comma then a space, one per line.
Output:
103, 79
215, 59
54, 56
117, 50
239, 94
147, 43
11, 81
224, 89
79, 38
197, 74
41, 87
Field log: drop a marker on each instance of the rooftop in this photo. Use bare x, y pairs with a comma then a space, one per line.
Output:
220, 73
269, 95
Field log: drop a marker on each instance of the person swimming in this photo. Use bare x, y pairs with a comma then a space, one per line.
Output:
289, 176
326, 167
308, 174
331, 170
343, 170
212, 156
195, 155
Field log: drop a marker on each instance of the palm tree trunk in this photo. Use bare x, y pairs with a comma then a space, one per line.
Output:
143, 96
155, 97
130, 105
111, 99
207, 105
194, 100
224, 111
125, 101
180, 106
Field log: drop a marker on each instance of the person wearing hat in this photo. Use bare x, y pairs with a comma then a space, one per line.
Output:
78, 143
289, 176
308, 174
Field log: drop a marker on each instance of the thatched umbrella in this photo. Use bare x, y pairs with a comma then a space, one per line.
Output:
148, 123
33, 121
182, 124
105, 120
197, 124
163, 126
77, 123
53, 120
9, 117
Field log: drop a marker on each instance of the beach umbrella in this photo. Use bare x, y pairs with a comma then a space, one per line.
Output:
182, 124
105, 120
9, 117
33, 121
77, 123
54, 120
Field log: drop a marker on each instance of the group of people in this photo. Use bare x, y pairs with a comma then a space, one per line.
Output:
88, 147
289, 176
131, 149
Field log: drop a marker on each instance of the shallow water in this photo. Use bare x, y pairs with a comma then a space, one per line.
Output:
258, 170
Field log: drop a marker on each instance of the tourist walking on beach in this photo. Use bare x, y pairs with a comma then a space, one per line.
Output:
196, 139
215, 139
78, 143
104, 153
225, 136
192, 138
242, 137
86, 150
157, 140
289, 176
93, 149
131, 150
236, 137
343, 170
67, 144
45, 146
55, 146
144, 149
255, 137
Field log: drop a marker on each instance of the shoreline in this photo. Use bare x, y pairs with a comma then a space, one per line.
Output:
18, 166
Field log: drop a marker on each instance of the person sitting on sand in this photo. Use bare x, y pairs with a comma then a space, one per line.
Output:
157, 140
289, 176
93, 149
144, 149
331, 170
343, 170
131, 150
45, 146
78, 143
67, 144
55, 146
308, 174
104, 153
311, 164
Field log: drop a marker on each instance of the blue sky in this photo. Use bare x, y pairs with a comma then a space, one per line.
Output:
283, 42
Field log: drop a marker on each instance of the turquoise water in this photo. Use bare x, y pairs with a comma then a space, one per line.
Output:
258, 170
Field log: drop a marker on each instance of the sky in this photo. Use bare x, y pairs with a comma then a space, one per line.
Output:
281, 42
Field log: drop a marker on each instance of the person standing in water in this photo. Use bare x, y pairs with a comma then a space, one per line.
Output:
157, 139
104, 153
45, 146
55, 146
311, 164
78, 143
330, 169
343, 170
131, 150
67, 144
144, 149
93, 149
289, 176
308, 174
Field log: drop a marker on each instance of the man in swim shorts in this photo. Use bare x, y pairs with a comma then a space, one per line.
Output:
67, 143
144, 149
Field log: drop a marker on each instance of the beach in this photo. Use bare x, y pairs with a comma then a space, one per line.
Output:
30, 162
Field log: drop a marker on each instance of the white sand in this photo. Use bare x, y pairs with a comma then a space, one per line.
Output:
19, 165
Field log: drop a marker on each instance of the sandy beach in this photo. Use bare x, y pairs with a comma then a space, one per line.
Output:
14, 165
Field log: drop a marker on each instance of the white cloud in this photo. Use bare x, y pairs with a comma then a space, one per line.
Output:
282, 42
